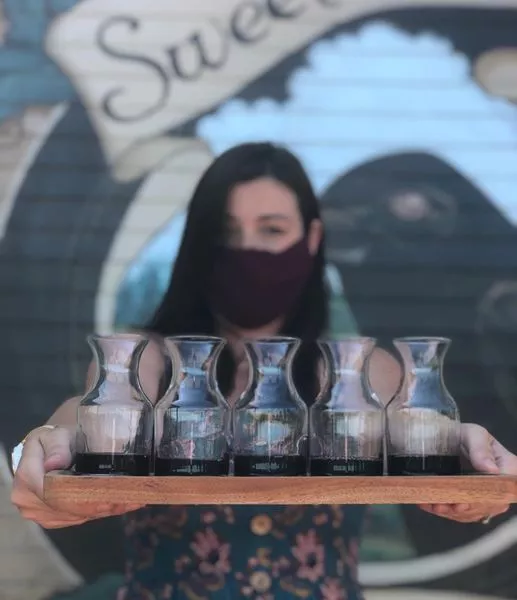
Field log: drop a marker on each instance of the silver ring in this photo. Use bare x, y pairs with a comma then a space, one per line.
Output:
486, 520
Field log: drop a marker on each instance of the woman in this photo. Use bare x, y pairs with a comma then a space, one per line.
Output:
251, 264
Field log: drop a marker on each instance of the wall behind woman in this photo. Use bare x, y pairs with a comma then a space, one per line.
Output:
405, 121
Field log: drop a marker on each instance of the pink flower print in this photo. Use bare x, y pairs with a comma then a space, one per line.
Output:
280, 566
320, 519
348, 555
140, 521
130, 526
145, 556
122, 593
213, 555
208, 517
310, 554
182, 563
337, 514
246, 589
143, 593
227, 513
353, 556
290, 516
332, 589
170, 522
128, 570
353, 548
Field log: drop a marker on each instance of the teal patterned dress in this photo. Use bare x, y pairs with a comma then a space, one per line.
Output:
227, 552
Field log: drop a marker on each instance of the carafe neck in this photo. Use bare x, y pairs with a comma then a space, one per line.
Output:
346, 363
423, 360
194, 362
118, 358
271, 383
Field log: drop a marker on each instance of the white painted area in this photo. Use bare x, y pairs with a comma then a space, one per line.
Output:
429, 568
378, 92
30, 565
160, 200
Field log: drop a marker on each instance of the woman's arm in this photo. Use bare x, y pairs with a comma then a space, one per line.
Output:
385, 375
48, 449
478, 447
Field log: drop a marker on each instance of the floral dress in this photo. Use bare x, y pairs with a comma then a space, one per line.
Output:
227, 552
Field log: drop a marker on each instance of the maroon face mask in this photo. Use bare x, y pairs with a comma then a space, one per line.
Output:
251, 288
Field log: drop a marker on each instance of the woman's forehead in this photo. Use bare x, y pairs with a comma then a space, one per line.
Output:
262, 198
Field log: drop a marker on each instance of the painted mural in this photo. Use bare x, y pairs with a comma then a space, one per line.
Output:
404, 114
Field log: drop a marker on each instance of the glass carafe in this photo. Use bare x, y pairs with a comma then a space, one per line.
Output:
192, 419
347, 424
115, 418
270, 420
423, 418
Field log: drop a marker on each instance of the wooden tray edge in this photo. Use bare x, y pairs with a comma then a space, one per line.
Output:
63, 486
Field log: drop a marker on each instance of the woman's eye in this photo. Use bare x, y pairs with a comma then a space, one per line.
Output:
273, 230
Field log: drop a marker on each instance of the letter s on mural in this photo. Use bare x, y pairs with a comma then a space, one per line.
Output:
405, 116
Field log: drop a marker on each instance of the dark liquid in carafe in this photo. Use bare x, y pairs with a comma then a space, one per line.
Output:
270, 465
346, 467
186, 466
112, 464
424, 465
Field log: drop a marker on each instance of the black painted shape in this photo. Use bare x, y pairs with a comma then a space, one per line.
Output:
405, 285
57, 240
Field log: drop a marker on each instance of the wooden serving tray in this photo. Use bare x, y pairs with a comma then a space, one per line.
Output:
63, 486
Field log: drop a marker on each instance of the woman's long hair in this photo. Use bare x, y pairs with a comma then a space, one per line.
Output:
185, 306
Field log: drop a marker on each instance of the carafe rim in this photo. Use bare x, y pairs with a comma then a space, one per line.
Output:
116, 336
280, 339
195, 338
423, 339
348, 338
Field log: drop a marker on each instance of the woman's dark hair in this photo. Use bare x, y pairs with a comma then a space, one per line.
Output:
185, 308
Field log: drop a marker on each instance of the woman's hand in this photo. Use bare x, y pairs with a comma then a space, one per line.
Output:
483, 454
50, 450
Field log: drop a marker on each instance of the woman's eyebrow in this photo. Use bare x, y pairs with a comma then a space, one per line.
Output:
272, 216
